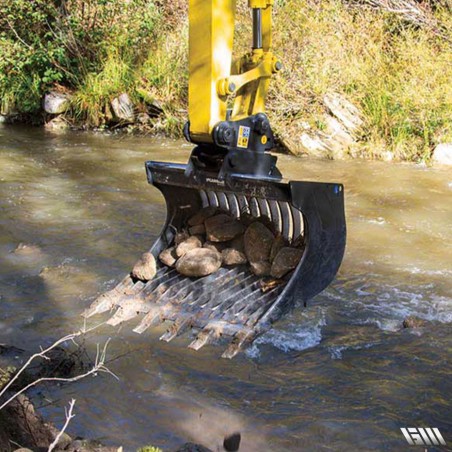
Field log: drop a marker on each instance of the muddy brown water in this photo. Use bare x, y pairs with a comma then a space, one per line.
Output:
338, 375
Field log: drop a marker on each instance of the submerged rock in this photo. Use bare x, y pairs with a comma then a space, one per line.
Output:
414, 322
199, 262
222, 228
146, 267
258, 241
192, 447
191, 243
169, 256
57, 124
25, 249
286, 259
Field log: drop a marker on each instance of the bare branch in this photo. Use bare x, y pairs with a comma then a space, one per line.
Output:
98, 367
69, 416
41, 354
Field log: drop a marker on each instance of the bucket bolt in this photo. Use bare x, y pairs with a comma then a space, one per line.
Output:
224, 134
262, 124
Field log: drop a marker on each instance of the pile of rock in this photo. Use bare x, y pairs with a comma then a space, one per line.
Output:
213, 238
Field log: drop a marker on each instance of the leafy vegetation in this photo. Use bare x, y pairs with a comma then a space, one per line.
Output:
149, 449
397, 71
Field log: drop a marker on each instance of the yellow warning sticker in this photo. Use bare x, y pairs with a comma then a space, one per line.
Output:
244, 137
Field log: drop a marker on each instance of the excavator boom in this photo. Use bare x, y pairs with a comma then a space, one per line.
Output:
240, 246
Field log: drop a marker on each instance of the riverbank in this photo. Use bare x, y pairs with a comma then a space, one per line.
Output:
360, 80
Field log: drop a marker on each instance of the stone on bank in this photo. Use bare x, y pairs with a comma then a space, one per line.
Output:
443, 154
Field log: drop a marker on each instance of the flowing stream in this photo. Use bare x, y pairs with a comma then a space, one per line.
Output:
76, 212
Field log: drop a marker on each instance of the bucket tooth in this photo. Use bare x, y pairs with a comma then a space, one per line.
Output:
152, 318
103, 303
204, 337
108, 300
177, 328
128, 309
238, 343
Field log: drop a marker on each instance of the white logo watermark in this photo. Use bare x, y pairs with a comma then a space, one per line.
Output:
423, 436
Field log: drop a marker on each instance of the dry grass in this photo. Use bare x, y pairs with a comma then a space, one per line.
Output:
399, 75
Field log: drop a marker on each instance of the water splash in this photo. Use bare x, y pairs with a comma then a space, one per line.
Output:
293, 336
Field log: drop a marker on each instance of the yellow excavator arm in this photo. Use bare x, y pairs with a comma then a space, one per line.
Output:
214, 76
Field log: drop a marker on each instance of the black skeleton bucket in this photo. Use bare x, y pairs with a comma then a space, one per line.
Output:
231, 303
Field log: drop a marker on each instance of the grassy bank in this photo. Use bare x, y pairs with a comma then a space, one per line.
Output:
395, 69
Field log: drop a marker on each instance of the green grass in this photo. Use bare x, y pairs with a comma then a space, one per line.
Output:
149, 449
398, 75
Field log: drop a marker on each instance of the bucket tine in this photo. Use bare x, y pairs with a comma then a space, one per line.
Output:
203, 338
180, 325
238, 343
108, 300
152, 318
130, 307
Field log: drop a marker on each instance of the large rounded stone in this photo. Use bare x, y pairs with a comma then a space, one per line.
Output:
258, 242
286, 259
279, 243
232, 256
222, 228
215, 246
443, 154
199, 262
199, 229
191, 243
201, 216
56, 103
168, 256
146, 268
181, 237
261, 268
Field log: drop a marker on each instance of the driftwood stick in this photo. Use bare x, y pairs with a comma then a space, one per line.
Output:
69, 416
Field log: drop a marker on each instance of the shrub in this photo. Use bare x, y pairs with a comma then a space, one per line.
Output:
65, 41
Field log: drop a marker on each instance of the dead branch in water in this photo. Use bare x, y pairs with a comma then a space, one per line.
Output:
99, 366
69, 416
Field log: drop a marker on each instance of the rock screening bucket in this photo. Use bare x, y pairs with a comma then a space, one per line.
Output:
237, 302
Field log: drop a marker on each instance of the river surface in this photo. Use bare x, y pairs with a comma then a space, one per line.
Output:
339, 375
